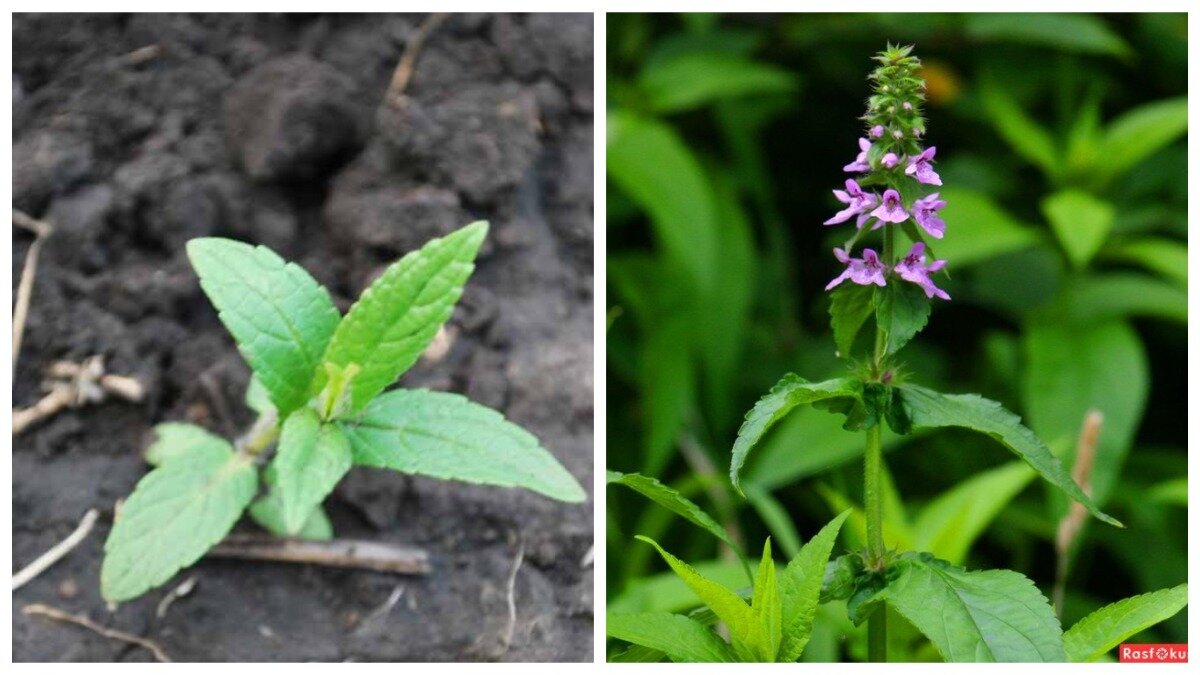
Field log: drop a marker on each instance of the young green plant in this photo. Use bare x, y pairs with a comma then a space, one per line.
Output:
318, 387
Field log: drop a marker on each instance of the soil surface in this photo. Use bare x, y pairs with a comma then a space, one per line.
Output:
134, 134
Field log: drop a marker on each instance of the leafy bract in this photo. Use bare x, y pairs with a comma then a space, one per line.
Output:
671, 499
683, 640
281, 318
1109, 626
901, 311
791, 391
850, 306
800, 589
311, 459
175, 514
177, 439
987, 616
447, 436
930, 409
398, 315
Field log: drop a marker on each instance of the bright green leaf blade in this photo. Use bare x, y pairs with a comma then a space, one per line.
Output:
977, 229
1173, 491
668, 387
1109, 626
931, 409
398, 315
267, 511
765, 604
800, 589
1117, 296
310, 461
176, 439
443, 435
1080, 221
175, 514
850, 305
670, 499
950, 524
257, 397
901, 311
680, 638
1073, 369
281, 318
791, 391
1021, 132
1165, 257
726, 604
971, 617
1072, 33
666, 592
1139, 133
692, 80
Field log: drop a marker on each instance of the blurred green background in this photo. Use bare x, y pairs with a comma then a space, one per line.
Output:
1062, 146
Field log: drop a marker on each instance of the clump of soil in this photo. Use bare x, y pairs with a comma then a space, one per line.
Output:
133, 134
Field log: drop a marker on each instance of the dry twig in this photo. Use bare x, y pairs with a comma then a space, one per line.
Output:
182, 590
408, 60
57, 552
367, 555
40, 230
1072, 523
75, 385
110, 633
511, 596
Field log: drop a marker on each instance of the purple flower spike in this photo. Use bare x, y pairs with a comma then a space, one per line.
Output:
892, 208
921, 167
914, 269
890, 160
862, 271
860, 163
925, 213
877, 131
856, 202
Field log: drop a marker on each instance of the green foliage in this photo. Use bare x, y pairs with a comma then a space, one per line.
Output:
176, 439
311, 459
978, 230
682, 639
691, 80
850, 305
267, 511
800, 589
1098, 632
1067, 32
901, 311
1081, 222
673, 501
1137, 134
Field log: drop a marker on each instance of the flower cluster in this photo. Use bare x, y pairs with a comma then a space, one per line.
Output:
891, 156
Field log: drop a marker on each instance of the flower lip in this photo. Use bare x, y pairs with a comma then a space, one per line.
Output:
860, 162
921, 167
913, 269
892, 208
925, 213
863, 271
857, 202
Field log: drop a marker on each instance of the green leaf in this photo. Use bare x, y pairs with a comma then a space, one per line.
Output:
683, 640
800, 589
1021, 132
1080, 221
281, 318
901, 311
950, 524
977, 229
258, 398
666, 592
766, 605
1073, 33
791, 391
310, 461
668, 387
971, 617
396, 318
175, 514
849, 307
776, 518
692, 80
1166, 257
443, 435
267, 511
930, 410
1139, 133
1109, 626
175, 439
1073, 369
747, 640
1117, 296
673, 501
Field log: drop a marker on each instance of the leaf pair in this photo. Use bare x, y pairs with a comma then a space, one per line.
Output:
901, 310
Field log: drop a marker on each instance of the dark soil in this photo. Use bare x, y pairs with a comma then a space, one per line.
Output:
270, 129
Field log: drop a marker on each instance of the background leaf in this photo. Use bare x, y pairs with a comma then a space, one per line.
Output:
690, 80
978, 230
1080, 33
673, 501
1081, 222
1138, 133
1109, 626
680, 638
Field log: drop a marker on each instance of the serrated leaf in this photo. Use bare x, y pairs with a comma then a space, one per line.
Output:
850, 305
280, 317
443, 435
800, 589
398, 315
789, 392
1080, 221
691, 80
1109, 626
901, 311
309, 462
1139, 133
670, 499
176, 439
175, 514
683, 640
929, 409
747, 641
267, 511
973, 617
765, 604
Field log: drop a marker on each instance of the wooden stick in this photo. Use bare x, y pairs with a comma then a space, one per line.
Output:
1071, 524
367, 555
51, 404
408, 60
28, 273
110, 633
56, 553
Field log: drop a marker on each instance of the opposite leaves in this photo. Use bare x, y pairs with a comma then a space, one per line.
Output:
312, 458
447, 436
396, 318
281, 318
175, 514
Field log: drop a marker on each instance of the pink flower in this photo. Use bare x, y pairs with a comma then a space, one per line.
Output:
863, 271
890, 160
877, 131
857, 202
914, 269
925, 213
892, 208
860, 163
921, 167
